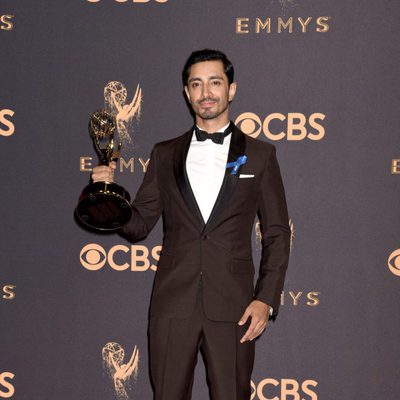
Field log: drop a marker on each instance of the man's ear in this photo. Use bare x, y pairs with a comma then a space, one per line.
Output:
232, 91
187, 94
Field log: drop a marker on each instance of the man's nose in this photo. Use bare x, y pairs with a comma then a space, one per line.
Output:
206, 91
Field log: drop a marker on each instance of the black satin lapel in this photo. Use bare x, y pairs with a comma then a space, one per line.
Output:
182, 179
237, 148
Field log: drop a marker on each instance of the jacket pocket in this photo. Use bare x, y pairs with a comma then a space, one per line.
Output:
239, 266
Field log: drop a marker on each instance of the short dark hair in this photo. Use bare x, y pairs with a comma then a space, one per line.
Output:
207, 55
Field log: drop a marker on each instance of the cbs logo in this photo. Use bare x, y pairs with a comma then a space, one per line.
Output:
394, 262
132, 1
7, 389
93, 257
285, 389
6, 23
277, 126
4, 121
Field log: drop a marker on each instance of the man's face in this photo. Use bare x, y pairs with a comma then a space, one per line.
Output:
208, 90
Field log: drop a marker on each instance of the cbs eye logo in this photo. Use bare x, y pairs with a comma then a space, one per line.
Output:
394, 262
277, 126
93, 257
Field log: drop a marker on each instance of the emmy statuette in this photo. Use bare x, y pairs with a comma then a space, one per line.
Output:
104, 206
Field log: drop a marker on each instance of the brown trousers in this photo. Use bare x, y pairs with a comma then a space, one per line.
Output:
173, 348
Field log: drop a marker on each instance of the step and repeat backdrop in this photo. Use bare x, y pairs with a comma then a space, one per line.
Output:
317, 78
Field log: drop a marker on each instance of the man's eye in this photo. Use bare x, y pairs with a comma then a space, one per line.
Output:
217, 83
195, 85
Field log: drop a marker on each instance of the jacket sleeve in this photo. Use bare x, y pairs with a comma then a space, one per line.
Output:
147, 205
274, 224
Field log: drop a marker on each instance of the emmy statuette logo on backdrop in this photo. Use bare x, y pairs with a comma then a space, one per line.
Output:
119, 372
115, 101
257, 228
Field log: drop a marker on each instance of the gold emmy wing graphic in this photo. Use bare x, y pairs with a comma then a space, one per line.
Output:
119, 372
115, 96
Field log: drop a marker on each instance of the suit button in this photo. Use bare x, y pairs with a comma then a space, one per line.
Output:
204, 237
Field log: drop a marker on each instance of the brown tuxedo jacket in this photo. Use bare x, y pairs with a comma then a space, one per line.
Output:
219, 252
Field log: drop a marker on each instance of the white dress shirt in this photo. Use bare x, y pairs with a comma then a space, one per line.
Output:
205, 166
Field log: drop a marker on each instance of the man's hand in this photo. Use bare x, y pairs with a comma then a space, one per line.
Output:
104, 173
259, 313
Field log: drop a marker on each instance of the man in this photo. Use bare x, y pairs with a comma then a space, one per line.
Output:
209, 184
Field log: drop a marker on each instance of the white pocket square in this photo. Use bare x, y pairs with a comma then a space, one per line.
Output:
246, 176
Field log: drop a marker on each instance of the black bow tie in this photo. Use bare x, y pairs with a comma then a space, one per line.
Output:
217, 137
